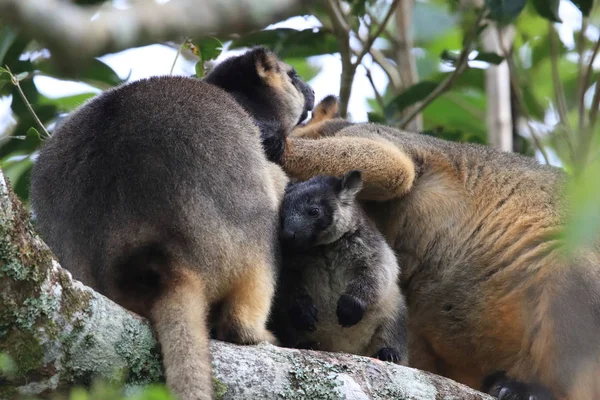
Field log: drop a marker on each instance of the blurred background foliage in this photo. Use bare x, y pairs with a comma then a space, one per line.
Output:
439, 30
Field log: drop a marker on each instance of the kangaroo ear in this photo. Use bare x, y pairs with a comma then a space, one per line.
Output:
328, 108
266, 63
351, 184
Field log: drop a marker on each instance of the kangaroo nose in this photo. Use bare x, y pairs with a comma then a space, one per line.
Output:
288, 235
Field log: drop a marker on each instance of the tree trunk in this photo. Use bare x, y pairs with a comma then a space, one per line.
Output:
60, 333
405, 59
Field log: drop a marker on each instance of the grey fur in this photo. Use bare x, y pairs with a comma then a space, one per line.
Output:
159, 195
348, 268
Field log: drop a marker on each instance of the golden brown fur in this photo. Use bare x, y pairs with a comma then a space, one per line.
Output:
487, 283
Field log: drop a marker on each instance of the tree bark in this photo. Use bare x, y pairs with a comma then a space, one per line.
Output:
75, 34
60, 333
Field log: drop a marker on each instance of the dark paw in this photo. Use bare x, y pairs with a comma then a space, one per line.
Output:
303, 314
308, 345
389, 354
502, 387
273, 140
350, 310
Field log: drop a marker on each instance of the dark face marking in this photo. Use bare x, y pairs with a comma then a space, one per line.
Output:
308, 209
240, 77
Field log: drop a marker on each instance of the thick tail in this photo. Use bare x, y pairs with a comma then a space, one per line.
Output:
153, 283
179, 317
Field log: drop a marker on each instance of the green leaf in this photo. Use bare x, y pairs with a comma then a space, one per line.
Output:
491, 58
504, 11
584, 222
303, 68
199, 67
459, 115
287, 42
19, 77
410, 96
19, 173
4, 77
208, 48
7, 38
450, 57
547, 9
585, 6
7, 365
67, 103
97, 73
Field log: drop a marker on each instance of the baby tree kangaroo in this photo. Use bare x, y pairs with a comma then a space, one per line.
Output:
338, 287
159, 195
493, 300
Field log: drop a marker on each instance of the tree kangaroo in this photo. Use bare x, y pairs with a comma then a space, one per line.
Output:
159, 195
491, 295
338, 284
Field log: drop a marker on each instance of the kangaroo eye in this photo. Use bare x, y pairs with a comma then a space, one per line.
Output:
313, 211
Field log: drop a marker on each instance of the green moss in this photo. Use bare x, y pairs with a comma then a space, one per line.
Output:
8, 392
219, 388
138, 348
313, 379
25, 350
74, 301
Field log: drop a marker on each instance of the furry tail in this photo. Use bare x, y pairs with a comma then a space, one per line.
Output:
173, 297
179, 317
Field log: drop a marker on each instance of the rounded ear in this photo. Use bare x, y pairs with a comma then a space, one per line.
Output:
265, 61
351, 184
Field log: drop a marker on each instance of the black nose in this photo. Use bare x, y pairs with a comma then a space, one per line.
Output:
288, 235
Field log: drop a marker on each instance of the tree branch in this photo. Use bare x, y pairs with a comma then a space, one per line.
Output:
377, 95
514, 83
342, 32
559, 91
389, 68
405, 58
582, 77
73, 36
371, 37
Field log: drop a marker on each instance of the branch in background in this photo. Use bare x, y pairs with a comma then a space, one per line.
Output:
74, 37
389, 35
461, 66
342, 33
518, 96
583, 80
15, 81
377, 95
387, 67
514, 83
179, 50
594, 109
371, 37
405, 59
559, 91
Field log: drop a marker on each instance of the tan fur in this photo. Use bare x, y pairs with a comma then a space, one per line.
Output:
388, 172
487, 284
274, 73
326, 110
247, 303
179, 318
